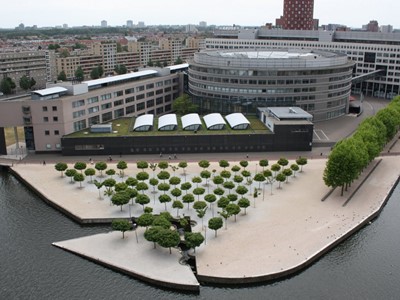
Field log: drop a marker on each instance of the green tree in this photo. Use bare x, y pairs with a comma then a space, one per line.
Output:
186, 186
204, 164
294, 168
235, 169
199, 191
142, 165
223, 202
164, 187
70, 173
168, 238
120, 186
150, 63
178, 205
142, 176
79, 75
287, 172
109, 183
219, 191
238, 178
90, 172
178, 61
390, 118
110, 172
32, 82
263, 163
98, 185
142, 199
280, 178
100, 166
232, 197
152, 234
153, 182
196, 180
163, 175
162, 221
183, 105
225, 174
176, 193
193, 239
94, 73
223, 163
121, 166
25, 83
218, 180
7, 85
61, 167
62, 76
145, 220
241, 190
301, 161
233, 209
120, 198
244, 164
78, 177
215, 224
131, 181
244, 203
226, 216
142, 186
121, 225
120, 69
183, 165
259, 177
229, 185
80, 166
283, 162
188, 198
276, 168
174, 180
164, 198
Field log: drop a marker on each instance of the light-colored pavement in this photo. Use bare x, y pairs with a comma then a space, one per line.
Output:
279, 234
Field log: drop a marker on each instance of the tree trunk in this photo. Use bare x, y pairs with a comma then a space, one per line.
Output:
341, 194
123, 234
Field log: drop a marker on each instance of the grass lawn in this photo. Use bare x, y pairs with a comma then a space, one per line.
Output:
124, 126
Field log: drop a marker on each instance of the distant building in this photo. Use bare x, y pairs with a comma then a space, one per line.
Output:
386, 28
297, 15
203, 24
129, 24
65, 26
191, 28
141, 24
104, 23
373, 26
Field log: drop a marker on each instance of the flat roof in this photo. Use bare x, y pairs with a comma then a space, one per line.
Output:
190, 119
213, 119
50, 91
167, 120
236, 119
143, 120
276, 54
177, 67
116, 78
288, 112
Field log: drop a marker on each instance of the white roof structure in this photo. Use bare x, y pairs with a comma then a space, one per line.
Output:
178, 67
101, 81
167, 122
214, 121
50, 91
143, 121
237, 121
191, 120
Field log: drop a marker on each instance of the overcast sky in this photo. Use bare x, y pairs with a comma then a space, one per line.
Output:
353, 13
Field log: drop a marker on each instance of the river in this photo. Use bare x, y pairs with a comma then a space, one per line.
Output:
366, 266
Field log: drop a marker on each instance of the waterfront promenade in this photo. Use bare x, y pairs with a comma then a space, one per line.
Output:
280, 235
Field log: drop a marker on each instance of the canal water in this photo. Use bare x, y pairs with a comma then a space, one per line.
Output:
366, 266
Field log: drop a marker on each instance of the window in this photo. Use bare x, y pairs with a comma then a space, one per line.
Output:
105, 97
150, 94
140, 88
130, 99
79, 113
45, 119
44, 108
54, 108
150, 86
55, 119
47, 132
56, 132
107, 116
140, 106
93, 100
106, 106
94, 120
93, 109
159, 100
118, 102
150, 103
79, 125
130, 109
78, 103
118, 94
140, 97
118, 113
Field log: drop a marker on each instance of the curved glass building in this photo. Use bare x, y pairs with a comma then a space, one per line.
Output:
240, 81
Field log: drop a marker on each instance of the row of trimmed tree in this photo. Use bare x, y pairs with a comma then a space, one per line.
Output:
349, 157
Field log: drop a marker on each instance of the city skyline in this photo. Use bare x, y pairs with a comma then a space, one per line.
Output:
90, 13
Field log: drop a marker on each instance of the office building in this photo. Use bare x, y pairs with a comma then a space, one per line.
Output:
297, 15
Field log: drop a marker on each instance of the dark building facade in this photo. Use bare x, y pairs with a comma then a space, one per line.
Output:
297, 15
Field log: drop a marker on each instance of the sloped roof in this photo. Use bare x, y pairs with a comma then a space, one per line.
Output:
190, 119
50, 91
143, 120
167, 120
236, 119
213, 119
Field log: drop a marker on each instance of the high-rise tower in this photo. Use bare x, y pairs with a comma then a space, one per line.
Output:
297, 15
